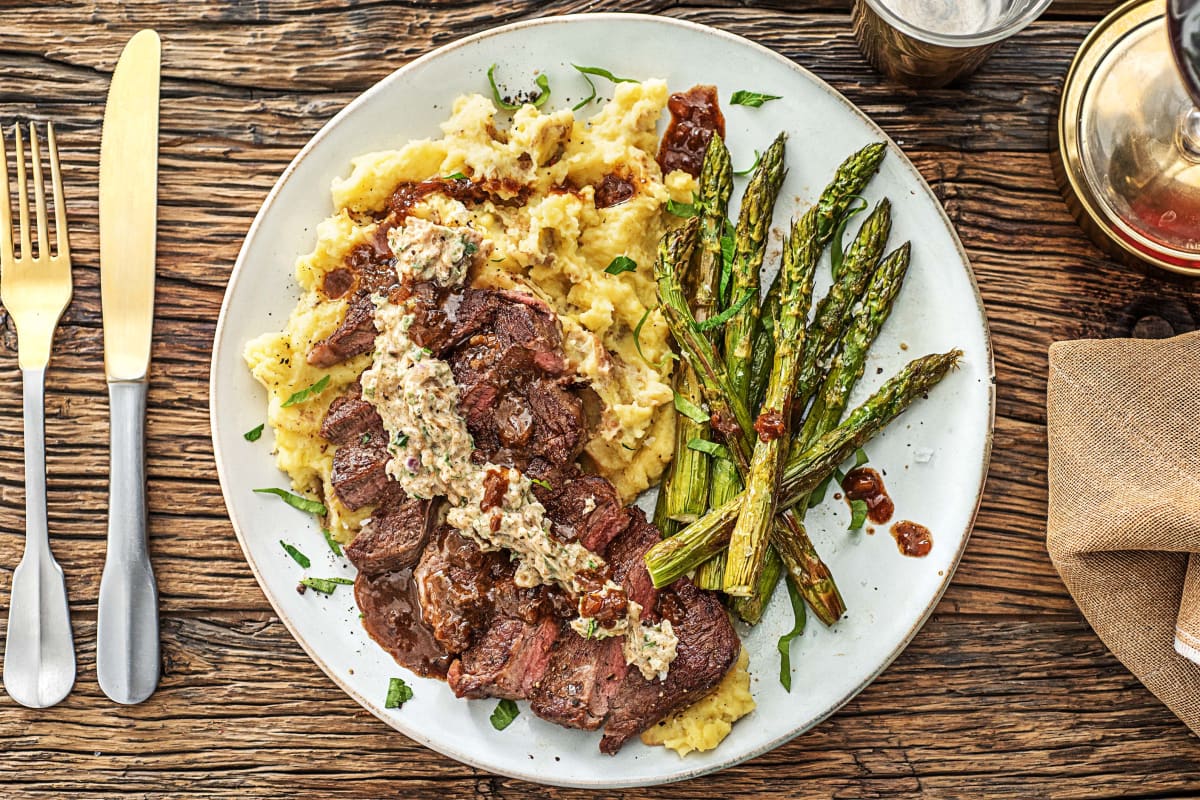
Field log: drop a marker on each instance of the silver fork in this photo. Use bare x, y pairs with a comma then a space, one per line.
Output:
39, 652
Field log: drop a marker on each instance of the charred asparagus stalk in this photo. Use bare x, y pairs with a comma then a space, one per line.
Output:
683, 495
748, 543
672, 558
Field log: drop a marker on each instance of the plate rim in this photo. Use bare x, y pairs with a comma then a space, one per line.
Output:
412, 731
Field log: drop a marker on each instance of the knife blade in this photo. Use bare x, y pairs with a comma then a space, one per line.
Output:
127, 646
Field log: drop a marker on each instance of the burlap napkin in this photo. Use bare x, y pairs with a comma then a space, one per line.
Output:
1123, 419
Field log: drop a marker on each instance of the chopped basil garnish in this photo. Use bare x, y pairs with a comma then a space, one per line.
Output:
305, 394
544, 484
621, 264
743, 97
296, 555
400, 440
506, 711
752, 167
296, 501
364, 439
325, 585
543, 84
455, 176
398, 693
637, 342
860, 458
858, 514
726, 315
254, 434
603, 73
710, 448
332, 542
684, 210
727, 248
690, 410
836, 253
591, 628
785, 641
818, 494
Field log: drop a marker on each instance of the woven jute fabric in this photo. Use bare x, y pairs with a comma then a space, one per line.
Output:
1123, 528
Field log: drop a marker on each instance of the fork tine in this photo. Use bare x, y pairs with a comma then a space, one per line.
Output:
22, 196
39, 193
60, 208
6, 230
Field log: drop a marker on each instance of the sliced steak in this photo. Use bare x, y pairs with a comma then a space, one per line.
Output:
393, 538
456, 582
508, 659
350, 419
582, 508
626, 557
579, 681
354, 336
391, 615
514, 319
708, 647
359, 475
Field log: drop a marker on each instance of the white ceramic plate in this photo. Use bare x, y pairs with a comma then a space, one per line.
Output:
935, 456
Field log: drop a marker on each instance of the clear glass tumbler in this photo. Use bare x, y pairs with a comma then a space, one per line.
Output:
929, 43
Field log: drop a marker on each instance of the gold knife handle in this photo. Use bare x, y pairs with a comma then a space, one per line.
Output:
127, 648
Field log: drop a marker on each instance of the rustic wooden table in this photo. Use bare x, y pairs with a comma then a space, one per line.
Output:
1006, 691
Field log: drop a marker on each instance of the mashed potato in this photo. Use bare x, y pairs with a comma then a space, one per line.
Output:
556, 243
705, 724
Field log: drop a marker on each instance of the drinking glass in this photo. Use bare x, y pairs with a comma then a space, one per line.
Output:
929, 43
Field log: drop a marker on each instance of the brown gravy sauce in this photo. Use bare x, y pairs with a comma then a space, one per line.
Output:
866, 484
695, 116
912, 539
391, 614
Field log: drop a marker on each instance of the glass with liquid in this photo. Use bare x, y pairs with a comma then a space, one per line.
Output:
929, 43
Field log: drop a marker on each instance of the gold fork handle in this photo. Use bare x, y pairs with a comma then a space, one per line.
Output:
39, 650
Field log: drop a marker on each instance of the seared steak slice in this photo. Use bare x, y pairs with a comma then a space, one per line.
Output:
558, 424
514, 319
350, 419
457, 581
507, 660
435, 312
392, 616
582, 507
393, 538
359, 475
580, 680
356, 334
626, 557
708, 646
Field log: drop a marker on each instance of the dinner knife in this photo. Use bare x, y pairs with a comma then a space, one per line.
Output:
127, 648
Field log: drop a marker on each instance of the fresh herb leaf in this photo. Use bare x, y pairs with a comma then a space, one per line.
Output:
296, 501
496, 96
684, 210
254, 434
710, 448
603, 73
785, 641
544, 484
543, 83
296, 555
744, 172
364, 439
455, 176
860, 458
742, 97
325, 585
400, 439
690, 410
398, 693
332, 542
506, 711
591, 629
836, 253
621, 264
726, 315
858, 514
727, 249
818, 494
637, 342
305, 394
470, 248
627, 447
